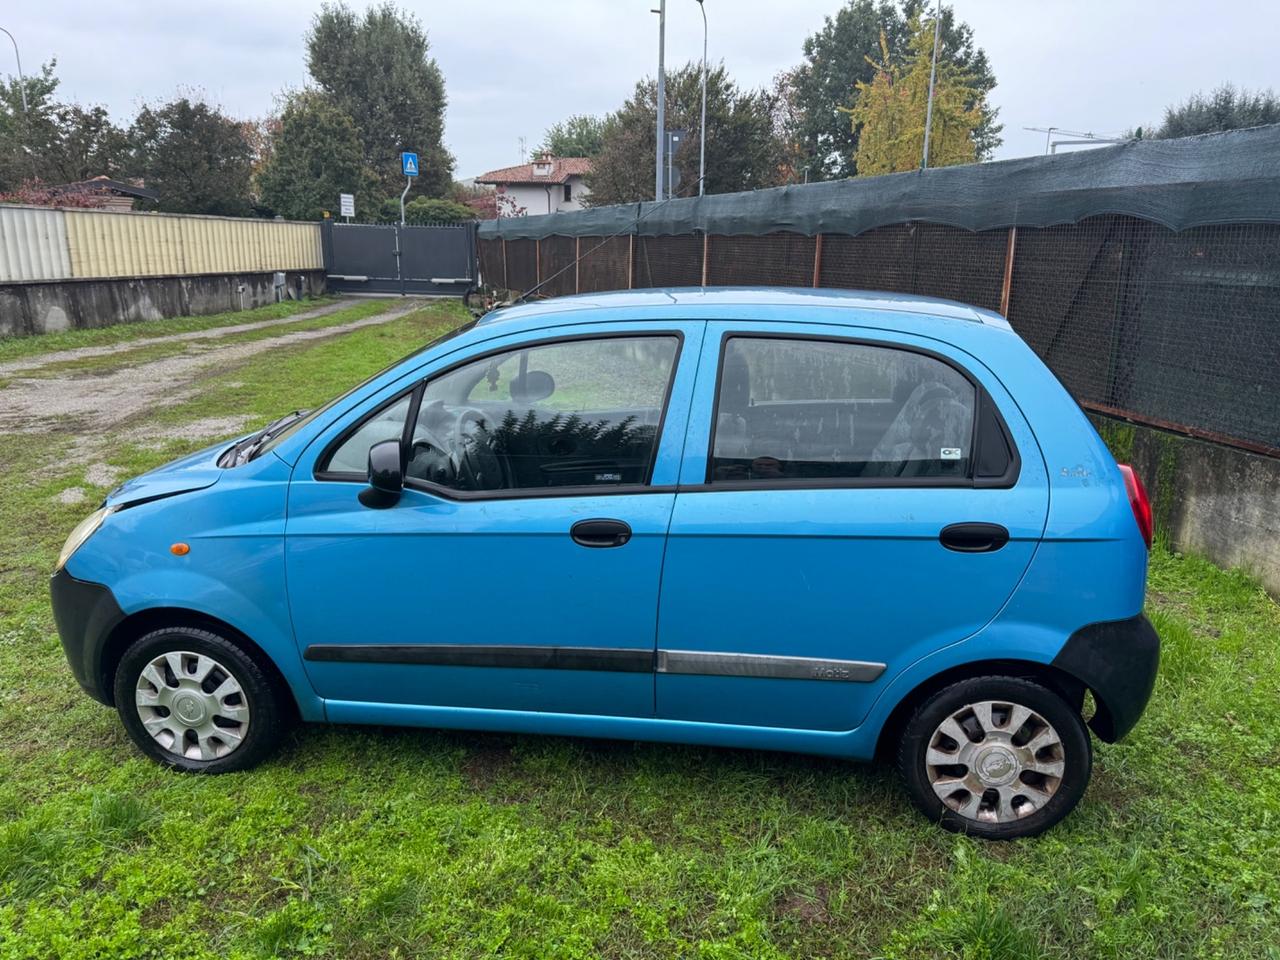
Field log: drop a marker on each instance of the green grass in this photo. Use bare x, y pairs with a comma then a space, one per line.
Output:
379, 843
128, 356
18, 348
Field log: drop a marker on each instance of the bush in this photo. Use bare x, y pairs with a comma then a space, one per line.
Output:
424, 210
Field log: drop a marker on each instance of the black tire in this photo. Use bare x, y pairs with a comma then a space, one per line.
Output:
267, 716
1072, 749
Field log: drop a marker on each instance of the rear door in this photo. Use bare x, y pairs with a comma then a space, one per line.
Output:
847, 504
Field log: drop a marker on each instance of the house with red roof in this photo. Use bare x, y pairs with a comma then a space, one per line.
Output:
548, 185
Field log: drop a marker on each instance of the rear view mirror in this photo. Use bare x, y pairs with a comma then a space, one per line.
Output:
386, 475
532, 386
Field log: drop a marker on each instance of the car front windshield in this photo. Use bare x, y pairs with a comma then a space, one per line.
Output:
312, 416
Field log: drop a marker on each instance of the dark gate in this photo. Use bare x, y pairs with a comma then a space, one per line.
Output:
378, 258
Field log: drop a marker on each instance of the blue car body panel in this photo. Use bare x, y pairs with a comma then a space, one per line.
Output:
839, 574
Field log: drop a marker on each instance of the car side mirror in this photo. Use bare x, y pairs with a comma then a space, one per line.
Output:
386, 475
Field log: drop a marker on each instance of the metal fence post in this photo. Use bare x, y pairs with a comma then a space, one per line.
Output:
817, 260
706, 255
537, 262
506, 285
577, 259
631, 260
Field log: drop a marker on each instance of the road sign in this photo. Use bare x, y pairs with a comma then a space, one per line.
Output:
347, 201
409, 163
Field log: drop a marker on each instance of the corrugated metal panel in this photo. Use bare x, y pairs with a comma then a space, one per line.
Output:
33, 244
105, 244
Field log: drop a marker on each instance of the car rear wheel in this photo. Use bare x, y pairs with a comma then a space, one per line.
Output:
194, 700
995, 757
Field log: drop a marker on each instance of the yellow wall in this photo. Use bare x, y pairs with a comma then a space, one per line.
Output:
104, 244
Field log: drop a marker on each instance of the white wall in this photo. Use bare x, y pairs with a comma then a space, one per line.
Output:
533, 197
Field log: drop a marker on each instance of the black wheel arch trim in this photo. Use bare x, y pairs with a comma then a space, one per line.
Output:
1118, 661
86, 614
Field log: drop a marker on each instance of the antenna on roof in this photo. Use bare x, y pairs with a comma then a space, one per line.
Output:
577, 260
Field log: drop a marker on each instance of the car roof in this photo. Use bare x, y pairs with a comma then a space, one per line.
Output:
743, 299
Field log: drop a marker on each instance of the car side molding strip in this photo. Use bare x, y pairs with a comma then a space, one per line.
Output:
615, 659
767, 666
611, 659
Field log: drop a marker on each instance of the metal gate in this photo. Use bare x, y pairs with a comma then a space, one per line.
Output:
377, 258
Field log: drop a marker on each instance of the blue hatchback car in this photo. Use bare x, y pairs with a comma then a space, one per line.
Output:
830, 522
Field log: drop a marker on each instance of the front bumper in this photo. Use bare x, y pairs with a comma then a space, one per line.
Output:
1117, 660
86, 614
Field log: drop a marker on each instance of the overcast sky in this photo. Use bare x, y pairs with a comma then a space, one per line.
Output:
513, 67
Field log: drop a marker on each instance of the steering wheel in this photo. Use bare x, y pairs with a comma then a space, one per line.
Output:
429, 442
478, 466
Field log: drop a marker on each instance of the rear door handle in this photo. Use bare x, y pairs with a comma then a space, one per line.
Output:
974, 537
600, 533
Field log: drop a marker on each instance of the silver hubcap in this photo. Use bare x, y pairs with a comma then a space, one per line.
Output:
995, 761
192, 705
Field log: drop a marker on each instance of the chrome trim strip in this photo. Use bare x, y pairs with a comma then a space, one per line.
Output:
765, 665
610, 659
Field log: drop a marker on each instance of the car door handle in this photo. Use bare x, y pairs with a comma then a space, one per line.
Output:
974, 537
600, 533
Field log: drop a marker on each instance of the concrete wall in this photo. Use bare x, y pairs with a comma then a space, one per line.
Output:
27, 308
1213, 500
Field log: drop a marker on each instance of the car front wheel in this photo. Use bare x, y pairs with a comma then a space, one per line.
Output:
194, 700
995, 757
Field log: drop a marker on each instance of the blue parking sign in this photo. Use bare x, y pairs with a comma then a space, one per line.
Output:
409, 163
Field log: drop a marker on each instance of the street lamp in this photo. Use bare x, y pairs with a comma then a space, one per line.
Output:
22, 83
661, 136
702, 137
933, 75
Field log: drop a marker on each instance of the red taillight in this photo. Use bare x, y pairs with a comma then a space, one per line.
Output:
1138, 500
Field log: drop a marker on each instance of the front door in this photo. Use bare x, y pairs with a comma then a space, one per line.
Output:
520, 568
829, 528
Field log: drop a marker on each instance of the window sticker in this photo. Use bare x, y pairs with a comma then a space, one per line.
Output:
949, 453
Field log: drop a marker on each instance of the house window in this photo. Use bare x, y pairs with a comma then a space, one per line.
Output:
568, 193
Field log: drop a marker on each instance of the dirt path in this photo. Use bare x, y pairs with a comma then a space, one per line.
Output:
28, 364
100, 403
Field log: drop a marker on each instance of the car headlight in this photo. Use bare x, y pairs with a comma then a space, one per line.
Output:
83, 531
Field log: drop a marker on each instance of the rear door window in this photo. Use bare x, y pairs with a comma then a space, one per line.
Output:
798, 409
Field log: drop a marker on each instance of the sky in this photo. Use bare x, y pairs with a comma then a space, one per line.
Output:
514, 67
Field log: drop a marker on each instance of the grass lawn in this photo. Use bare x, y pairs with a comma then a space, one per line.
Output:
17, 348
380, 843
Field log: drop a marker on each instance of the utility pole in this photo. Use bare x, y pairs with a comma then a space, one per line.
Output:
933, 76
22, 82
702, 136
661, 138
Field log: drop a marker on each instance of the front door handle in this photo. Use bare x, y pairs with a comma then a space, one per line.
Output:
974, 537
600, 533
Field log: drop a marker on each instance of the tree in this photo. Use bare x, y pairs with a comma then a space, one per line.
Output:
891, 110
314, 156
378, 71
1226, 108
742, 152
53, 142
582, 135
196, 157
836, 60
